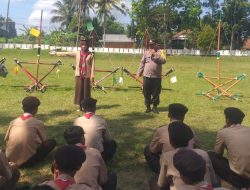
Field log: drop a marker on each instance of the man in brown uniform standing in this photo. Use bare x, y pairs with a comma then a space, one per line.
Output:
84, 70
151, 69
25, 139
235, 138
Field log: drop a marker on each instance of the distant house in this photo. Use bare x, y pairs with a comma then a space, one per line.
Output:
118, 41
11, 33
246, 44
179, 39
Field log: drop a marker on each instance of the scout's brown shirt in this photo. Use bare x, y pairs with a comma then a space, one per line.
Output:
93, 171
94, 127
236, 139
22, 139
5, 169
168, 169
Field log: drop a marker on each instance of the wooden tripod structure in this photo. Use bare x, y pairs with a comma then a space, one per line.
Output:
36, 80
221, 85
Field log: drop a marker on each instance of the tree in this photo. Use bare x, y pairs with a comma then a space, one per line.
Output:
212, 6
114, 27
206, 39
235, 19
104, 9
63, 13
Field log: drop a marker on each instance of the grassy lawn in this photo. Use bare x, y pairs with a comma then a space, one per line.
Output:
123, 106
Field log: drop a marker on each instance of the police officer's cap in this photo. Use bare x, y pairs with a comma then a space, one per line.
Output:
73, 134
31, 102
177, 109
235, 115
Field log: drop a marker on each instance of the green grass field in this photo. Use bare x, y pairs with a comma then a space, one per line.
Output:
123, 106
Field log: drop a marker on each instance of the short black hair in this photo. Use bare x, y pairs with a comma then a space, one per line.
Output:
190, 165
88, 104
177, 110
179, 134
73, 134
30, 103
42, 187
69, 158
234, 115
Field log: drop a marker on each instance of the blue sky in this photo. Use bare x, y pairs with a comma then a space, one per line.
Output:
27, 12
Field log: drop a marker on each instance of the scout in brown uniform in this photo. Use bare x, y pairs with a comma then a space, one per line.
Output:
179, 135
151, 69
68, 160
96, 132
25, 139
160, 141
235, 138
9, 173
93, 171
84, 70
192, 169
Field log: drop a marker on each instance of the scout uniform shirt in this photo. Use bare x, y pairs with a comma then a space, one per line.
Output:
77, 55
23, 137
151, 67
93, 171
160, 142
94, 126
236, 139
5, 169
168, 169
65, 182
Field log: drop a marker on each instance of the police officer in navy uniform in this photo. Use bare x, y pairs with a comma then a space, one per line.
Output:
151, 68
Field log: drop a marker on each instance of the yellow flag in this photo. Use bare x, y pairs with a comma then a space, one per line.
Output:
163, 54
15, 70
35, 32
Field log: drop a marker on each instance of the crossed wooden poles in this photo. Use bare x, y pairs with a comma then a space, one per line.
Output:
36, 82
220, 89
97, 85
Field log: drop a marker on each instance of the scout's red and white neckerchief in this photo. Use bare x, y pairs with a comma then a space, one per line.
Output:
26, 116
88, 115
83, 64
63, 183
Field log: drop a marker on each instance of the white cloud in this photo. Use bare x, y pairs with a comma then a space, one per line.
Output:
46, 6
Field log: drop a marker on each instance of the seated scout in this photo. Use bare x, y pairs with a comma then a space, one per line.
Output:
68, 160
192, 169
96, 132
160, 141
234, 137
179, 135
9, 173
93, 171
26, 142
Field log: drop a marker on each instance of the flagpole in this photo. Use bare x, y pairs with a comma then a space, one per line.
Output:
39, 48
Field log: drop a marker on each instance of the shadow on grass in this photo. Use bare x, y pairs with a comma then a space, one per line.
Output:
108, 106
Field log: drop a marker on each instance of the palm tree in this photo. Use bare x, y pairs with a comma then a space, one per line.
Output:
82, 7
103, 10
64, 12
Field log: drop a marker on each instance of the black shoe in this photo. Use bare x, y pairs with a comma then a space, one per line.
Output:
155, 110
148, 110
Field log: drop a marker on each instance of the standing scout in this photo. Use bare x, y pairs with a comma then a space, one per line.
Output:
84, 70
25, 139
151, 69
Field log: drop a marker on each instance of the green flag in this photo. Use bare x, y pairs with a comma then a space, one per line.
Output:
90, 26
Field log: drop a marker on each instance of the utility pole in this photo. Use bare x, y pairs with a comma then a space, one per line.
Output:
165, 24
7, 22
